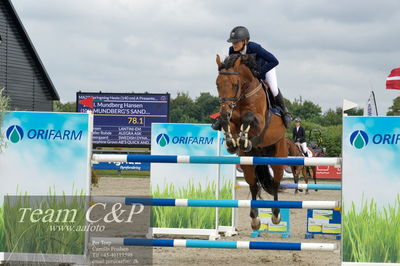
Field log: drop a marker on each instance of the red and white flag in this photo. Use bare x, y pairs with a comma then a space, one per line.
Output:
393, 80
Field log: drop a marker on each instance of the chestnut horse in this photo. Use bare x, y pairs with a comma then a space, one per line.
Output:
307, 171
249, 127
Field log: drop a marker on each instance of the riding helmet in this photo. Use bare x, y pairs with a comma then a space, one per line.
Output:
238, 34
297, 119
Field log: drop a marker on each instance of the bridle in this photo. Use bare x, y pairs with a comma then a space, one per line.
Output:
233, 101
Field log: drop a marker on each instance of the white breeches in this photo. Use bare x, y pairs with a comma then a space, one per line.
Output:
272, 81
305, 149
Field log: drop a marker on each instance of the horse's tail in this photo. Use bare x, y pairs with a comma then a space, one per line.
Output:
265, 179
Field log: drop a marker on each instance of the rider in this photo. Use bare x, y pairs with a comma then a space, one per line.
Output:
239, 38
299, 137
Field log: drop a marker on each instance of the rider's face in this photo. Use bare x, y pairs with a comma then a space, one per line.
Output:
297, 124
238, 46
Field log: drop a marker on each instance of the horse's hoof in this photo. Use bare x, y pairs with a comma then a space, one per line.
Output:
276, 220
255, 224
245, 144
232, 150
316, 190
231, 146
300, 190
296, 191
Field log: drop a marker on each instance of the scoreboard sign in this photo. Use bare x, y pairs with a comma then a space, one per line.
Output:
123, 119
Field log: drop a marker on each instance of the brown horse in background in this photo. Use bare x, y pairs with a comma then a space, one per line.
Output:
249, 126
307, 171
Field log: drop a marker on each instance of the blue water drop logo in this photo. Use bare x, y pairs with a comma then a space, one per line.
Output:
162, 140
14, 134
359, 139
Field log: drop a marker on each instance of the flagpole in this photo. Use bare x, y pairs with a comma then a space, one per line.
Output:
376, 107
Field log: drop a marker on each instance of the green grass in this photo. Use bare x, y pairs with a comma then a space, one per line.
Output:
372, 234
191, 217
127, 174
1, 230
30, 237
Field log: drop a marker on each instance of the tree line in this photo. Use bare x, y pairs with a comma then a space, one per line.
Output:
184, 109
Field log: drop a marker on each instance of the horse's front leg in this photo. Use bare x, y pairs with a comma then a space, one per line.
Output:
230, 142
249, 121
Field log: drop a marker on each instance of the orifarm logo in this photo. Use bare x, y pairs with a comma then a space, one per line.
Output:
359, 139
164, 139
15, 134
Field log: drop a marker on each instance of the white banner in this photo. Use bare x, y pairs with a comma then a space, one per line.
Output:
370, 108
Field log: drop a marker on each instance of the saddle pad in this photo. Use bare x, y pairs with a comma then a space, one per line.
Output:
276, 111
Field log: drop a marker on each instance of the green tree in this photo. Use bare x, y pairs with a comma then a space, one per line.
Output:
207, 105
4, 106
331, 117
183, 109
394, 110
355, 112
64, 107
305, 110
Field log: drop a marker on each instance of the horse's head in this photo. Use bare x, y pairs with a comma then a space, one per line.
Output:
228, 85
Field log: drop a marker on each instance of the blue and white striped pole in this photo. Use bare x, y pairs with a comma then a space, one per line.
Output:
214, 244
244, 160
219, 203
301, 186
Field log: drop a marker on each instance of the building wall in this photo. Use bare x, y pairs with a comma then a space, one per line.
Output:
19, 73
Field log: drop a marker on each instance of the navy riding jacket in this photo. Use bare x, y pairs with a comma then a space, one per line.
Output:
265, 59
299, 136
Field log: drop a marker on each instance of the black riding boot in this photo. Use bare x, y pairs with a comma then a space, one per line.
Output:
286, 116
217, 125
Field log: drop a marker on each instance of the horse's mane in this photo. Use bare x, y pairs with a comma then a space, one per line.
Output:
248, 60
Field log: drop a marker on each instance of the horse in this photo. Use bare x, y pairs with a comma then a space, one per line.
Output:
249, 126
307, 171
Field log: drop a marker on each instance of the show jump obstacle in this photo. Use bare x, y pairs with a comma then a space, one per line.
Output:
300, 186
244, 160
220, 203
216, 244
336, 162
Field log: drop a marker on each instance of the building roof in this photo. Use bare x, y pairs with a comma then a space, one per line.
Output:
20, 27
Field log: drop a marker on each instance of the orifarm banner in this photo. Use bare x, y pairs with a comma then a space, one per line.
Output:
371, 189
44, 154
192, 181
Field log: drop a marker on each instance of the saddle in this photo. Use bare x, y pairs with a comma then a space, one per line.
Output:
276, 110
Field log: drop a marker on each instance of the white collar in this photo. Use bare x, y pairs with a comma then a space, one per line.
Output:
244, 49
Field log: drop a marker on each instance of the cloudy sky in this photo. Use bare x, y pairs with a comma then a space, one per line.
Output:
328, 50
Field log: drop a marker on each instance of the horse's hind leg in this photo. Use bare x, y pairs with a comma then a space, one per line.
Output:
306, 174
295, 178
314, 175
281, 151
249, 174
255, 221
